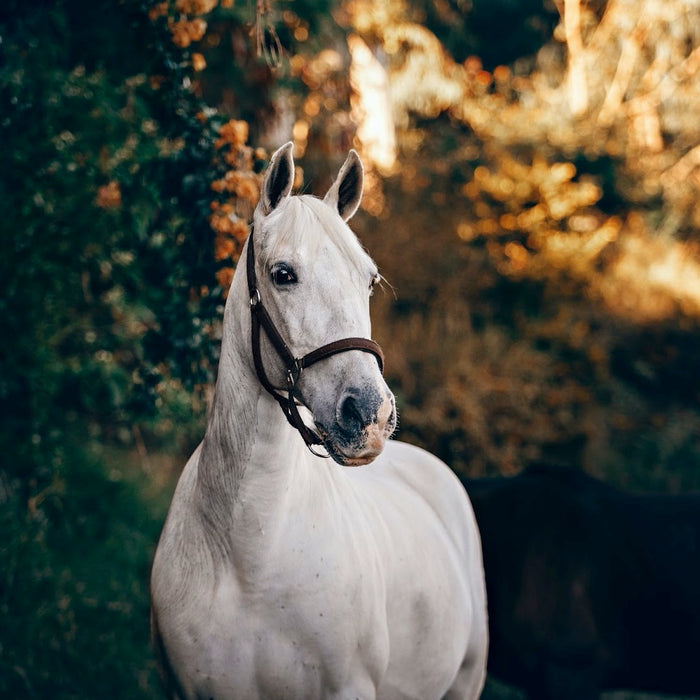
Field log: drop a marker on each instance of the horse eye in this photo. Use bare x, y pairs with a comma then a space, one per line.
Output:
282, 275
374, 282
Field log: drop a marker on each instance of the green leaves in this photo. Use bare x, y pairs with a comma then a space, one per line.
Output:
104, 184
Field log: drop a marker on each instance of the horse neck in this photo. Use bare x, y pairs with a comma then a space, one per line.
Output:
249, 449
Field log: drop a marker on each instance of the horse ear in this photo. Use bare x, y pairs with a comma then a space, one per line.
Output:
346, 192
278, 180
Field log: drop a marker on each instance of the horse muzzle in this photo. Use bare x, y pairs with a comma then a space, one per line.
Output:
364, 420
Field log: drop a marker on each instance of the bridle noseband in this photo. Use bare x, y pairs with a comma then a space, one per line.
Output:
293, 365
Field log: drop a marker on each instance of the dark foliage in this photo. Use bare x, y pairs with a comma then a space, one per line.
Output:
105, 184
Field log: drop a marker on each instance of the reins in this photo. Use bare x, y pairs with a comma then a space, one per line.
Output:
294, 366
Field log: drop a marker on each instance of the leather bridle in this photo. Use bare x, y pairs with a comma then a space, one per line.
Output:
293, 365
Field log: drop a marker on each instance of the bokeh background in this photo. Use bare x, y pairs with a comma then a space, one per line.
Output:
532, 182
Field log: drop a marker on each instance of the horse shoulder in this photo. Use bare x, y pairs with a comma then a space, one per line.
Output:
183, 569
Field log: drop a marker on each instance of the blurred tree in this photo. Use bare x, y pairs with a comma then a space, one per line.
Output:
564, 182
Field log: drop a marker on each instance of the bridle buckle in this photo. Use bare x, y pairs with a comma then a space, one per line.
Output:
293, 373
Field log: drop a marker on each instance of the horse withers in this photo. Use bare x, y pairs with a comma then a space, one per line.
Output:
590, 588
280, 574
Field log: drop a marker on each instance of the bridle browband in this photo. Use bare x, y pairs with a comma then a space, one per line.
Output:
293, 365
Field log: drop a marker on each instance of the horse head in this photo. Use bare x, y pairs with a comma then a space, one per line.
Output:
310, 281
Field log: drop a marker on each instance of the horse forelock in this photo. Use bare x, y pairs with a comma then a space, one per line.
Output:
305, 223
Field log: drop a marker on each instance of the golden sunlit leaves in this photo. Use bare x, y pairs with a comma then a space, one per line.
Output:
423, 78
238, 192
185, 31
322, 67
300, 134
198, 62
503, 204
230, 229
624, 94
185, 22
224, 277
195, 7
158, 10
233, 134
240, 184
653, 279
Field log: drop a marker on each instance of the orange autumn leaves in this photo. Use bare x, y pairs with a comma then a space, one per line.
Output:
186, 23
238, 190
109, 196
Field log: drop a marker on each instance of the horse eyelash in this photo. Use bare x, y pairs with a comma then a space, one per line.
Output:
384, 283
379, 281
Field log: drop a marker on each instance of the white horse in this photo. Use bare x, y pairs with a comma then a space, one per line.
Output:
279, 574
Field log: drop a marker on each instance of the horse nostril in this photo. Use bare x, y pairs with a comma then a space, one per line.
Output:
350, 415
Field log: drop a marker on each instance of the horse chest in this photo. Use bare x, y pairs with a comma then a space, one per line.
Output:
295, 640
